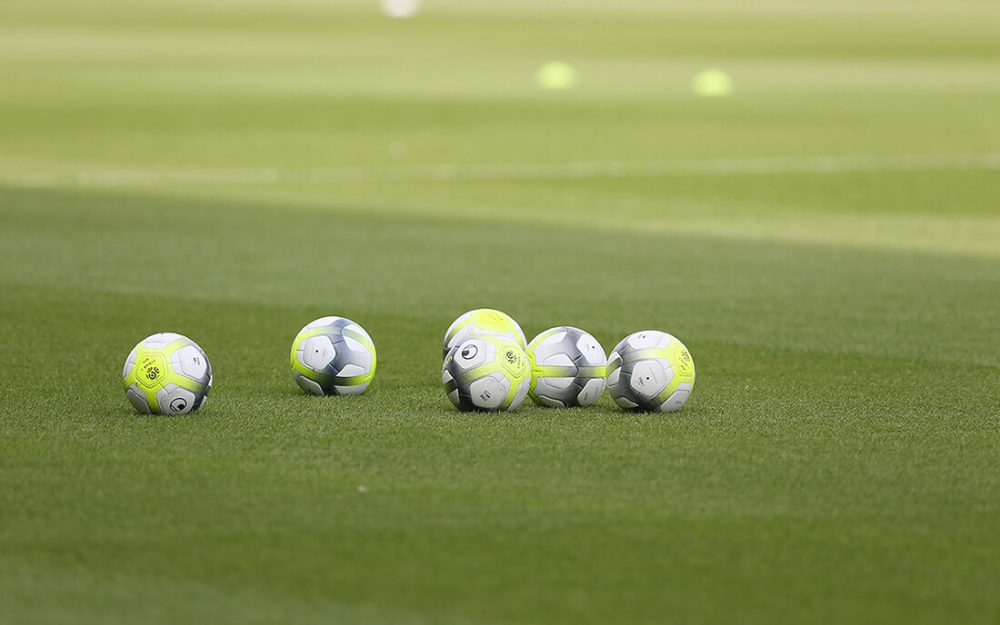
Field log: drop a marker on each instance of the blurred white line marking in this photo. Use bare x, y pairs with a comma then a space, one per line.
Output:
512, 171
30, 181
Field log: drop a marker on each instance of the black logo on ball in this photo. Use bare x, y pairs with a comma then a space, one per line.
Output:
469, 352
511, 356
178, 404
152, 373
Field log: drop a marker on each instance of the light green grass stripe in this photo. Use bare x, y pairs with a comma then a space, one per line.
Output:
720, 167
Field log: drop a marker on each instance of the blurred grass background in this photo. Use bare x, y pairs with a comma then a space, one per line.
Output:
194, 167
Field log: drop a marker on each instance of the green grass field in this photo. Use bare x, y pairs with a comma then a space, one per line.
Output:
826, 241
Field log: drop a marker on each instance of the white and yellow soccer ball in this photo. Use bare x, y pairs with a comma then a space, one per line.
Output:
483, 321
651, 371
333, 356
167, 374
568, 368
486, 373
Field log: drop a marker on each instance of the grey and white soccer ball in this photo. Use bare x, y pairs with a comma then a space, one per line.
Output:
333, 356
652, 371
486, 373
568, 368
167, 374
483, 321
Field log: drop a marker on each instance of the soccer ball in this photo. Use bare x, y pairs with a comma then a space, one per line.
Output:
483, 321
650, 370
485, 372
333, 356
568, 368
167, 374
